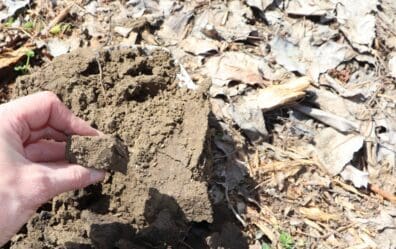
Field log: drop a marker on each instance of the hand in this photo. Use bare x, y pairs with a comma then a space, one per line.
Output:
32, 153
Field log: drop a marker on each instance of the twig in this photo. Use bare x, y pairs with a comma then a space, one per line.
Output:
101, 79
84, 10
225, 17
19, 29
185, 244
348, 188
110, 33
387, 97
57, 19
258, 38
309, 235
341, 229
230, 205
386, 195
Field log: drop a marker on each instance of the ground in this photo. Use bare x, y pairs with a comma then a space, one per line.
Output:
228, 145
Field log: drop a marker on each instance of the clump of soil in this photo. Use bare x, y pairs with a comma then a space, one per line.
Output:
101, 152
133, 94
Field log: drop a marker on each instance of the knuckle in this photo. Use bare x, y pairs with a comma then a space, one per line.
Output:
79, 178
50, 96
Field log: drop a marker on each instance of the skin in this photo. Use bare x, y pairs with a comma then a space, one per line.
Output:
32, 157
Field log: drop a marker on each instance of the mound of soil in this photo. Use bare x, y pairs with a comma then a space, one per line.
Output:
133, 94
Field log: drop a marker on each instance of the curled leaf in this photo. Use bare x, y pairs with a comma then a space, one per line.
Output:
315, 213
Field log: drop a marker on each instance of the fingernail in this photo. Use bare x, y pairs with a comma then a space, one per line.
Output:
96, 175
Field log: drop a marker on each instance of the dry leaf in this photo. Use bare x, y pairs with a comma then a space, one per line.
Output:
392, 65
176, 26
8, 8
358, 22
199, 46
123, 31
308, 59
335, 121
247, 111
335, 150
357, 177
276, 96
235, 66
315, 213
314, 225
262, 223
266, 230
259, 4
230, 20
310, 7
9, 58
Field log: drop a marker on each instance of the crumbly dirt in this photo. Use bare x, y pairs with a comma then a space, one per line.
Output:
133, 94
103, 152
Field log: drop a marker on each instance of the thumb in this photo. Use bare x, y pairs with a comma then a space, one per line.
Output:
63, 177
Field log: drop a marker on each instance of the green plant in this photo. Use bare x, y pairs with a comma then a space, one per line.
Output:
286, 240
29, 25
265, 246
60, 28
25, 67
9, 22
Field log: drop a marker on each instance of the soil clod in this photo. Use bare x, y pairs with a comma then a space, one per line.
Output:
101, 152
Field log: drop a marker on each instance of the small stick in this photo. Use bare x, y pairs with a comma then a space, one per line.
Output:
185, 244
341, 229
244, 224
386, 195
225, 17
149, 38
101, 79
57, 19
348, 188
110, 36
19, 29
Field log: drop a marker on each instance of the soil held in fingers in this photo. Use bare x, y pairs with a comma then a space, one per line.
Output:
101, 152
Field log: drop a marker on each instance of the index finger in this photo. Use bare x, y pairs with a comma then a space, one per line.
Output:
43, 109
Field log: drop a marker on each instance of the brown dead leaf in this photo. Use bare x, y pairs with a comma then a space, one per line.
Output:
314, 225
294, 192
236, 66
199, 46
315, 213
9, 58
265, 221
276, 95
266, 230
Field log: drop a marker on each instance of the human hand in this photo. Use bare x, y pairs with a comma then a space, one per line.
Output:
32, 153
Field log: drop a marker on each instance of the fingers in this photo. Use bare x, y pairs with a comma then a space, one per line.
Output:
45, 151
43, 109
46, 133
57, 178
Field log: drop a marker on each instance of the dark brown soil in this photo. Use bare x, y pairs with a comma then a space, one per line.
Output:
133, 94
101, 152
6, 85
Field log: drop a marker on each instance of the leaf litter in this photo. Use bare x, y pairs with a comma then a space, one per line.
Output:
303, 103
